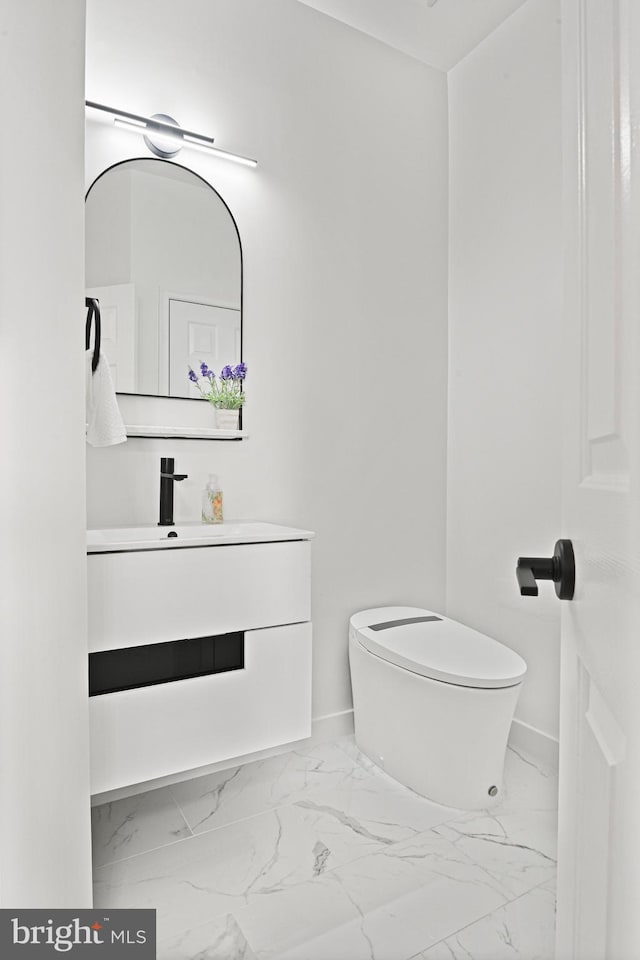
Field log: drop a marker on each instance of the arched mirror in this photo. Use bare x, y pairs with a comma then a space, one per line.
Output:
163, 257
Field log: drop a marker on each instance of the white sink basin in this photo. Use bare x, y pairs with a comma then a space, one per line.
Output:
150, 537
135, 534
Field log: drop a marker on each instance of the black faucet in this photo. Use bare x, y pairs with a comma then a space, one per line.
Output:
167, 476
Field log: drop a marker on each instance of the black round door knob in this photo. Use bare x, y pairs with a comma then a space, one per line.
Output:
560, 568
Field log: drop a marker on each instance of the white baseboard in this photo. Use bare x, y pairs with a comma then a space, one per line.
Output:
332, 726
539, 745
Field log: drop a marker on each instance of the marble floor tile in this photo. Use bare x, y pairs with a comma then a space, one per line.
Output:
230, 795
378, 807
221, 939
134, 825
528, 785
222, 870
401, 898
318, 854
348, 745
299, 918
521, 930
517, 848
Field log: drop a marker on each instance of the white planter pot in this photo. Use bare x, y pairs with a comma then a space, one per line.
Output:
227, 419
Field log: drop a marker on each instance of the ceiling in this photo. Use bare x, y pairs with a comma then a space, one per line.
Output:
438, 32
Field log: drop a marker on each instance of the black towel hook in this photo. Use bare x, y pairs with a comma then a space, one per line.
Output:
93, 311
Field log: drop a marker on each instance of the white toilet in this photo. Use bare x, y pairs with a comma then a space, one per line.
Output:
433, 702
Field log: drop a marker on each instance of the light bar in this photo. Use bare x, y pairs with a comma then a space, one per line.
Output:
160, 128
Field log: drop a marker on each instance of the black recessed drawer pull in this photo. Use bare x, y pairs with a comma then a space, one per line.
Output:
113, 670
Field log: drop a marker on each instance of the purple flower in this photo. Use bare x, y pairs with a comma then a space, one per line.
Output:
240, 372
192, 376
226, 373
204, 369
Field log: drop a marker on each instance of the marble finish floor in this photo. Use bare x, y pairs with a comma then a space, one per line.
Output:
318, 855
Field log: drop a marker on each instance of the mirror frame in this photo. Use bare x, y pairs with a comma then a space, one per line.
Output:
120, 163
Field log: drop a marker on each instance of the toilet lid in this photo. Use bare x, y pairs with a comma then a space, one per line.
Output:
435, 646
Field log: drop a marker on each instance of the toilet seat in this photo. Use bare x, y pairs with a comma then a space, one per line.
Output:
436, 647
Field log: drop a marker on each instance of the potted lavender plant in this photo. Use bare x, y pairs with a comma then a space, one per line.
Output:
224, 392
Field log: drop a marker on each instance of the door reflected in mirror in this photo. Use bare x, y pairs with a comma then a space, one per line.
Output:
163, 257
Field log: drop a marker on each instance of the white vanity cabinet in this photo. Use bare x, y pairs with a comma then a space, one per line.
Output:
255, 593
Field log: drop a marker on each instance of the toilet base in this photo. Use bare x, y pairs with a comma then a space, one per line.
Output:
443, 741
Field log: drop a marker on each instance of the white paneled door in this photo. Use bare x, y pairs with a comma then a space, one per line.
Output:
599, 852
200, 332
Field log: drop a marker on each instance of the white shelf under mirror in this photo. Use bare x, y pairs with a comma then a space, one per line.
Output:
160, 417
184, 433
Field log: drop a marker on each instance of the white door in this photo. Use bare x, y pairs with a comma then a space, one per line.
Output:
200, 332
118, 324
599, 850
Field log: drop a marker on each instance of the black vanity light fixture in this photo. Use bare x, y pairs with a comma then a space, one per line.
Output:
164, 136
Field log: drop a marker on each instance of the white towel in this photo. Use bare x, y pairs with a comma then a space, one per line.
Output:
104, 421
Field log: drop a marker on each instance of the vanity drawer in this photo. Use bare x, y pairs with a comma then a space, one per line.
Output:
155, 731
151, 596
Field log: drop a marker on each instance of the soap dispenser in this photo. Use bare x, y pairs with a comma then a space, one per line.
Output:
212, 501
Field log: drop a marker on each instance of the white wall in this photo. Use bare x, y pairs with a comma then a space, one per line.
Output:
504, 366
108, 252
44, 753
344, 227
